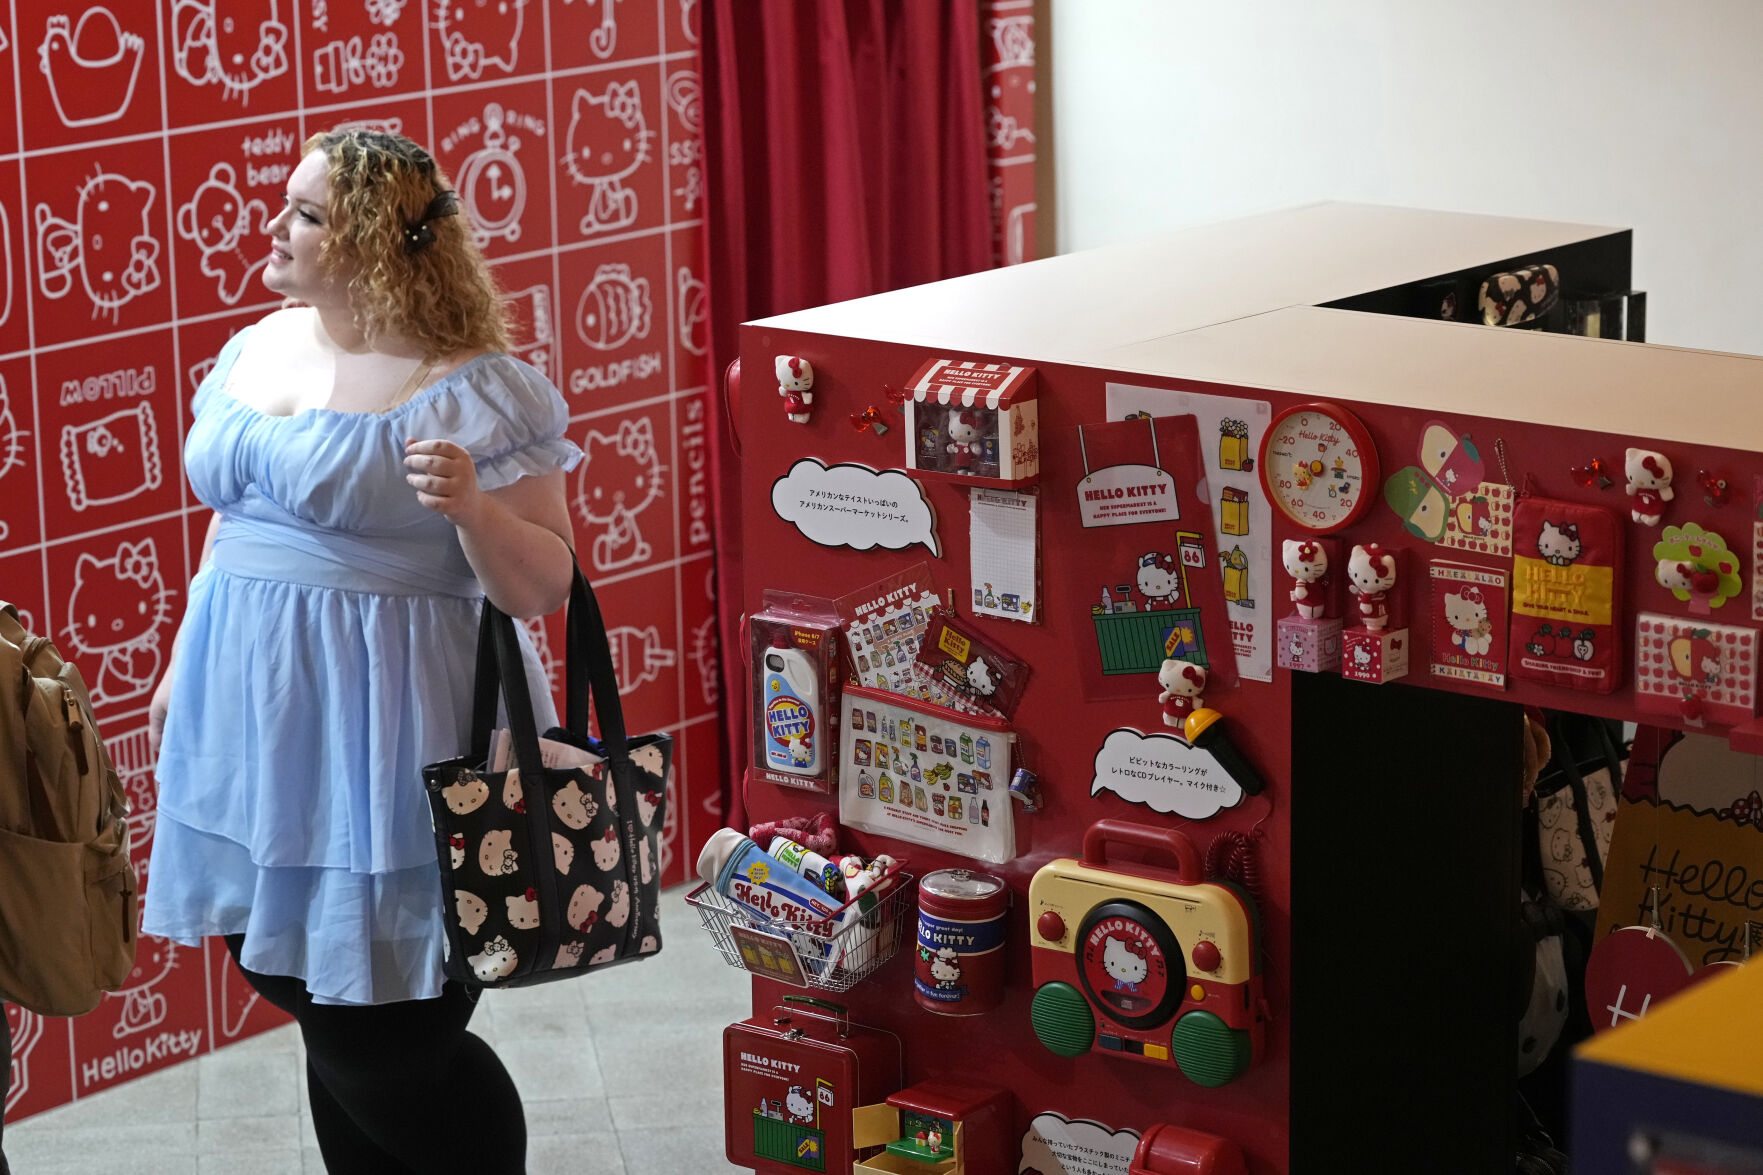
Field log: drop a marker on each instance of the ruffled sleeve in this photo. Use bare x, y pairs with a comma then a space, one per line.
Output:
217, 375
507, 415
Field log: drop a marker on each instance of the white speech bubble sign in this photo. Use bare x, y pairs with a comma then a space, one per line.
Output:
1165, 774
1057, 1145
849, 505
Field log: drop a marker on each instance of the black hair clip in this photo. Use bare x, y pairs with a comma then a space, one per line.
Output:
418, 236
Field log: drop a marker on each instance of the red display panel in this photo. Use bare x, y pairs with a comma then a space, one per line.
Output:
155, 146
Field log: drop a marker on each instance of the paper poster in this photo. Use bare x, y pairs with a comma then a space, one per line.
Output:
1469, 623
883, 625
1155, 590
1231, 429
1005, 547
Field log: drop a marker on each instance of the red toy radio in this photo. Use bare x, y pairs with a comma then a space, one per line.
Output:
1146, 962
791, 1081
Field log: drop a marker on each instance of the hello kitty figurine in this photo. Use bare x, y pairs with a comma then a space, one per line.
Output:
1467, 614
1649, 485
1307, 563
795, 383
1182, 682
1159, 579
1371, 573
964, 446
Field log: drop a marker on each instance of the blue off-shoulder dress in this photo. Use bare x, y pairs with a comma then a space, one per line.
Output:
327, 654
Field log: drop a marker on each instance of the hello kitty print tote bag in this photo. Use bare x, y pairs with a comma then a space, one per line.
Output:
549, 871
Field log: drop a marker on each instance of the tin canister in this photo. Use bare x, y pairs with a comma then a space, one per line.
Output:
959, 967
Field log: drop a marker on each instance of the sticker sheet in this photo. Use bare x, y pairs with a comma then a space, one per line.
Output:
1230, 429
1469, 623
884, 624
1155, 585
1712, 667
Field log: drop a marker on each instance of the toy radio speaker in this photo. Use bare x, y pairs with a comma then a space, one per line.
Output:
1146, 962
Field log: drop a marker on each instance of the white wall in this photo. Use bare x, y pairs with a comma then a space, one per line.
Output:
1641, 115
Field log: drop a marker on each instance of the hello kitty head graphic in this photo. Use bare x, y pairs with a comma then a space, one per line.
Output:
476, 34
218, 219
608, 141
1124, 963
1159, 578
109, 244
465, 794
523, 910
945, 967
471, 909
618, 481
497, 961
1559, 545
236, 45
114, 613
143, 1007
606, 851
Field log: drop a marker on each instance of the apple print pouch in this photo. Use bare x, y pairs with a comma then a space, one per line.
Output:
549, 847
1566, 595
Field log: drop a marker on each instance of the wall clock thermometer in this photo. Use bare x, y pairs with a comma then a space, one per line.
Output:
1319, 467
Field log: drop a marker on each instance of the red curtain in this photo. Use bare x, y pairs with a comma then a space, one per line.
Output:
845, 151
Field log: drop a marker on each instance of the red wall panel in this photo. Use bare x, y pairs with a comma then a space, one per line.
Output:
146, 146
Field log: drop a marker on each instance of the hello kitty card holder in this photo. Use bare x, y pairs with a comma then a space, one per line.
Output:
549, 871
973, 421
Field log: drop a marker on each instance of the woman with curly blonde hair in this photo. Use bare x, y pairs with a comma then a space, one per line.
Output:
377, 465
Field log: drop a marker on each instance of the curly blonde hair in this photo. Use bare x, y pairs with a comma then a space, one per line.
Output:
442, 295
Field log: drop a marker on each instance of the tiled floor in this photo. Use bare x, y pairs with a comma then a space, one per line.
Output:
622, 1075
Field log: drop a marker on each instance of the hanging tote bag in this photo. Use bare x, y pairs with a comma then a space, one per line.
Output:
1574, 808
549, 871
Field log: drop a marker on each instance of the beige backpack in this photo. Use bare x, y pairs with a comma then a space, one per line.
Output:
67, 887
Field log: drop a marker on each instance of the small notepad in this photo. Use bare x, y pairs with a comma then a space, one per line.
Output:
1005, 550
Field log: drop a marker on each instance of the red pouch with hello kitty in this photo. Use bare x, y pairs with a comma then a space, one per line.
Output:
1566, 595
967, 672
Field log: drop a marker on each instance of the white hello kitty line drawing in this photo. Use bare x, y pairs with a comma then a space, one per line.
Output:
620, 479
608, 141
478, 35
237, 46
114, 613
12, 440
109, 244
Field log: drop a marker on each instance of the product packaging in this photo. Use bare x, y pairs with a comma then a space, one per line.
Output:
796, 673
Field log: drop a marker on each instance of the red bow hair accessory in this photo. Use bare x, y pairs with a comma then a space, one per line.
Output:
1472, 595
1307, 552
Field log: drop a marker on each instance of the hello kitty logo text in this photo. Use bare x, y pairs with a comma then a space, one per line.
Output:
108, 244
608, 141
237, 46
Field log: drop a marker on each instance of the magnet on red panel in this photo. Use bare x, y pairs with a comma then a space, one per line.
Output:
795, 383
1716, 490
1182, 682
1371, 576
869, 420
1649, 485
1696, 567
1593, 472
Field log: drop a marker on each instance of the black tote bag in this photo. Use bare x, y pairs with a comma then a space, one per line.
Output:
549, 872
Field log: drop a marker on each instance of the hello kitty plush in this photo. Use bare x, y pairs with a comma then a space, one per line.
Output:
1182, 682
795, 381
1159, 579
1649, 485
1307, 563
1125, 966
1371, 572
1467, 614
964, 446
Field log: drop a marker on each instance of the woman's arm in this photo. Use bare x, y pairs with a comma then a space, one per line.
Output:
516, 538
156, 709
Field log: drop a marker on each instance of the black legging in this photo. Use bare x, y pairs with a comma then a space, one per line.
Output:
5, 1077
402, 1089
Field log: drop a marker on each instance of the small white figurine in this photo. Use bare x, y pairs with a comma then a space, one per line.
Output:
795, 381
964, 446
1182, 682
1372, 573
1649, 485
1307, 563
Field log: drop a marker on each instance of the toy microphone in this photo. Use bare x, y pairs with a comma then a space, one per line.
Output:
1205, 729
